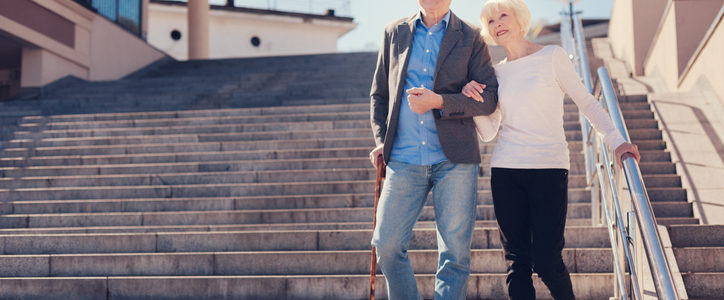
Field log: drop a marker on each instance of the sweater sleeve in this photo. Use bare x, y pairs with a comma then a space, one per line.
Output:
571, 84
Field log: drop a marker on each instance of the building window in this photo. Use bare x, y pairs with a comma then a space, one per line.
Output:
129, 15
175, 35
255, 41
125, 13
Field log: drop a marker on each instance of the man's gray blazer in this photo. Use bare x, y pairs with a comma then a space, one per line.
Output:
463, 56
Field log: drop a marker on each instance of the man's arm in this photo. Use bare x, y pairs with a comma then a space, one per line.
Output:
379, 94
480, 69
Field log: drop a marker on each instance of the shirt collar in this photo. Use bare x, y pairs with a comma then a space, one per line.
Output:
445, 19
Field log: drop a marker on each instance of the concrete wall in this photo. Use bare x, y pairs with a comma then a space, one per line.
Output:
693, 19
115, 53
620, 31
99, 50
632, 29
231, 33
662, 60
40, 67
683, 31
709, 65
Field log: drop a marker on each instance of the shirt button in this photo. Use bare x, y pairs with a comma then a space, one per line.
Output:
422, 122
427, 50
424, 70
423, 86
429, 33
423, 142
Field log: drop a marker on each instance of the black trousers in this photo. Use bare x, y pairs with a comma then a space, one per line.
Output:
531, 206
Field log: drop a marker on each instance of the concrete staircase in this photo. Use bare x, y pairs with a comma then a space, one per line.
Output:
698, 249
249, 179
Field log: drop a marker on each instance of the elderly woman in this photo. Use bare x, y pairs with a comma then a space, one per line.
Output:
530, 162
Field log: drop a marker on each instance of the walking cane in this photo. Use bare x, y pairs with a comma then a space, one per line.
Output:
378, 191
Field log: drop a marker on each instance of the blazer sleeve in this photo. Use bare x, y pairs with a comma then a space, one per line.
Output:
379, 93
480, 69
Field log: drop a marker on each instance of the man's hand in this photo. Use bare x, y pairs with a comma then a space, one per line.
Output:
422, 100
474, 90
376, 154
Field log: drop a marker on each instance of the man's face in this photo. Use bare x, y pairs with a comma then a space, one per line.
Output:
435, 5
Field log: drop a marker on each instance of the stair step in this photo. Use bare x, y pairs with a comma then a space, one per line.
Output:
275, 227
202, 166
642, 123
316, 143
697, 235
635, 106
248, 189
180, 114
200, 121
192, 166
230, 217
233, 177
351, 262
301, 240
40, 133
249, 202
192, 138
480, 286
105, 164
279, 112
297, 133
200, 129
187, 157
226, 190
700, 259
677, 221
203, 147
239, 227
637, 114
188, 130
704, 285
39, 123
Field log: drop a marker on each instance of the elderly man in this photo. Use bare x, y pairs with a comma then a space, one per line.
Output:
424, 130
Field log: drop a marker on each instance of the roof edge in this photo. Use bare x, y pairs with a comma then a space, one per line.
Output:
260, 11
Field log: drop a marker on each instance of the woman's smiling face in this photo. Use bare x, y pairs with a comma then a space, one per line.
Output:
503, 26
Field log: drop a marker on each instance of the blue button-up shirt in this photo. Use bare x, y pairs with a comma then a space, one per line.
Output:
416, 141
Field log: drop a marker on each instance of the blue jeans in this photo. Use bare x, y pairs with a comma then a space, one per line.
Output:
454, 192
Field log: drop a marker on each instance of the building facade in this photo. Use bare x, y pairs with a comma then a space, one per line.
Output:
246, 32
42, 41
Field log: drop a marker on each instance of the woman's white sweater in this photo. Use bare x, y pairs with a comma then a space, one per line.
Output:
530, 92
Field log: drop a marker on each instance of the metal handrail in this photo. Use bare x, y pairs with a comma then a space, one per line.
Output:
601, 166
658, 262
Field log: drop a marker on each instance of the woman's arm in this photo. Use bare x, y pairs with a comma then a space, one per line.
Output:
571, 84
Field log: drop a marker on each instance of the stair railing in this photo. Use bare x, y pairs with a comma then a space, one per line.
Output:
603, 178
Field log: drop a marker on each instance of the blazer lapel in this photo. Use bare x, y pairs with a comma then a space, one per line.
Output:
404, 37
453, 34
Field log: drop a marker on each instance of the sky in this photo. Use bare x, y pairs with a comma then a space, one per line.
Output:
371, 16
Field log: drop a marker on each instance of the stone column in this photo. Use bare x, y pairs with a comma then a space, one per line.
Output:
198, 29
144, 18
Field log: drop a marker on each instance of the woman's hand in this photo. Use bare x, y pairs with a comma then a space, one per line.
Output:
626, 148
422, 100
474, 90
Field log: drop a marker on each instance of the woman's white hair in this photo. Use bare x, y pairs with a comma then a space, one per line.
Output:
517, 7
